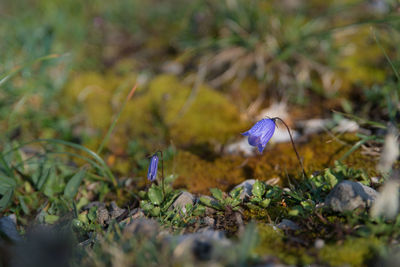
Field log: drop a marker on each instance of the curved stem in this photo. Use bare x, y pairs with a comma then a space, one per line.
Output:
294, 147
162, 171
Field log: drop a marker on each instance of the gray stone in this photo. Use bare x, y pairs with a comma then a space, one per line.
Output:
286, 224
319, 243
136, 213
314, 126
115, 211
143, 227
240, 147
8, 228
172, 67
209, 221
348, 195
102, 215
212, 234
183, 199
247, 187
345, 125
201, 245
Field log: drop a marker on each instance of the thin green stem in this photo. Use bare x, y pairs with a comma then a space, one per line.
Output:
162, 171
294, 147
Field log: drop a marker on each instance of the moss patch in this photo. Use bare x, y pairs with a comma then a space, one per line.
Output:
353, 252
272, 242
198, 175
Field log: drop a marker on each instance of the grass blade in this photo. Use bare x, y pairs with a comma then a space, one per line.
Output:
71, 189
112, 126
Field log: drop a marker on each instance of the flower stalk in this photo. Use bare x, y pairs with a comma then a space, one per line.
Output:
294, 146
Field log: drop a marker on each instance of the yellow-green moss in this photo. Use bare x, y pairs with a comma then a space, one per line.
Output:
165, 111
278, 160
99, 96
272, 242
194, 117
352, 252
357, 65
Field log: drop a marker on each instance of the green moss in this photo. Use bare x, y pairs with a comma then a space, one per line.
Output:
194, 117
353, 252
167, 111
272, 242
99, 98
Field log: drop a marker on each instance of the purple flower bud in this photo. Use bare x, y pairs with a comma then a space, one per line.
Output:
261, 133
152, 173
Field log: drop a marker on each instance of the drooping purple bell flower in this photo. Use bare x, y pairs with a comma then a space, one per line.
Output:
261, 133
152, 173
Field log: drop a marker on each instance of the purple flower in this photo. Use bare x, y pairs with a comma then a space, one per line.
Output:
152, 173
261, 133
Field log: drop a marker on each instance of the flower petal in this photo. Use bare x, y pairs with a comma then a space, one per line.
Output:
261, 133
267, 136
152, 172
246, 133
254, 140
261, 148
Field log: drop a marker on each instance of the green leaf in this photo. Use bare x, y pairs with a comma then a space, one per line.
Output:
51, 184
265, 203
146, 205
308, 204
258, 189
296, 211
155, 195
236, 192
6, 167
207, 201
274, 193
255, 200
50, 219
142, 194
252, 206
331, 179
6, 183
83, 217
171, 198
6, 199
217, 193
24, 207
155, 211
43, 174
235, 202
92, 214
73, 184
199, 210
